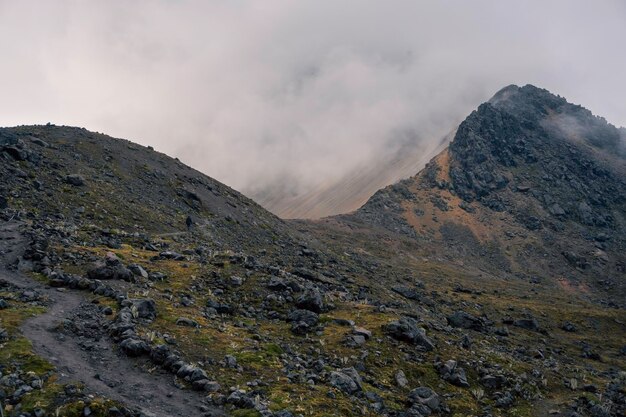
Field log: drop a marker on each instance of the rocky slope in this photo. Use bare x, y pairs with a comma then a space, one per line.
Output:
178, 296
531, 186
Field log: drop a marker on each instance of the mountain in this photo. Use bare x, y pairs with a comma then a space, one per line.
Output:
531, 186
490, 283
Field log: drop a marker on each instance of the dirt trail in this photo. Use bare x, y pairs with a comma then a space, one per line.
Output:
98, 367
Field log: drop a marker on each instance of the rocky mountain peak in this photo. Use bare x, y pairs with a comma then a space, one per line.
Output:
527, 167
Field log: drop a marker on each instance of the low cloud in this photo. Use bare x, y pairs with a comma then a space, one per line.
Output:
293, 95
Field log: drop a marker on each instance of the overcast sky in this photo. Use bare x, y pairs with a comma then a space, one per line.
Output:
300, 92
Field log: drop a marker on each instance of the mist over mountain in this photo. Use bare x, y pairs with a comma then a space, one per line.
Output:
290, 99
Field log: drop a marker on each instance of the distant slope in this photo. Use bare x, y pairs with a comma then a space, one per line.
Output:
354, 189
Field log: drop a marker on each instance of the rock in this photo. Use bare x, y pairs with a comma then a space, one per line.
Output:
172, 255
206, 385
505, 400
493, 381
401, 379
311, 300
346, 380
425, 396
3, 304
240, 399
39, 142
360, 331
146, 308
451, 372
501, 331
407, 330
302, 321
184, 321
197, 374
219, 308
355, 340
464, 320
75, 180
465, 342
3, 202
111, 268
138, 270
236, 281
157, 276
568, 327
135, 347
230, 361
527, 323
407, 292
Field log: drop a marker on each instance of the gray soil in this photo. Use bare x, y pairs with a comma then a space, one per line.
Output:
100, 368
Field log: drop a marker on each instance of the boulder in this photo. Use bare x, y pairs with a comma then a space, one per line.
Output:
186, 322
146, 308
463, 320
401, 379
426, 397
347, 380
135, 347
407, 330
527, 323
111, 268
138, 270
302, 321
311, 300
454, 374
568, 327
75, 180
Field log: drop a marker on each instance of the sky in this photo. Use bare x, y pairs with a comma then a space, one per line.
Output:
277, 94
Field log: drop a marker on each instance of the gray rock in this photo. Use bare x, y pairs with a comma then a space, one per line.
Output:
407, 330
111, 268
302, 321
172, 255
236, 281
346, 380
401, 379
241, 399
75, 180
464, 320
311, 300
425, 396
568, 327
360, 331
138, 270
146, 308
135, 347
454, 374
527, 323
187, 322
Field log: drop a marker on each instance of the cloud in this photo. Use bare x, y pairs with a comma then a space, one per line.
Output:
291, 95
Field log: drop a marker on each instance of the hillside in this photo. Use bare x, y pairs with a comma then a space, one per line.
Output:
133, 285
